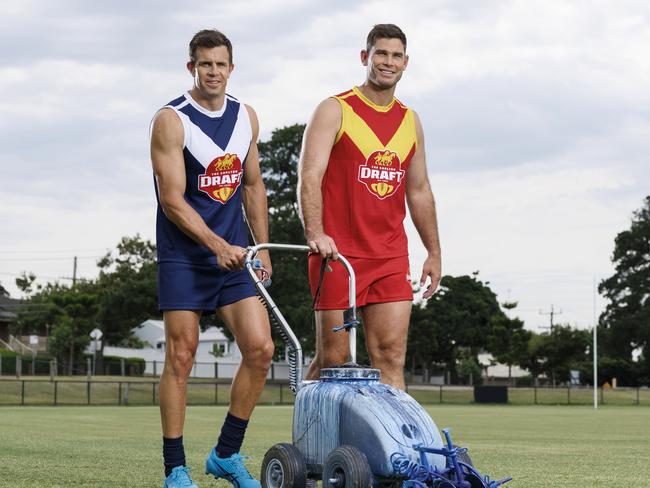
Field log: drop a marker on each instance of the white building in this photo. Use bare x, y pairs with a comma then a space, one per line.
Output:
213, 343
150, 331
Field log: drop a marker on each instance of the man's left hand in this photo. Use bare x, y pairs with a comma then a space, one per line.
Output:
431, 269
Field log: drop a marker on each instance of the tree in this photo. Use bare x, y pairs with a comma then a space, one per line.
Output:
533, 359
508, 340
126, 289
624, 326
459, 315
564, 349
290, 289
25, 282
3, 291
75, 316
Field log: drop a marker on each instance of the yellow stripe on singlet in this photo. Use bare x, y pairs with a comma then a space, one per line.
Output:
367, 141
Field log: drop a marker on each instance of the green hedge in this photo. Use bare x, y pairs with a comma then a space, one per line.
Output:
132, 366
41, 363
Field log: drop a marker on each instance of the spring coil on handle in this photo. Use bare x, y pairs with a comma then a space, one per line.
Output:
293, 379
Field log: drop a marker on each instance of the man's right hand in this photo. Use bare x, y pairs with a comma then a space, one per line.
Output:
324, 245
231, 257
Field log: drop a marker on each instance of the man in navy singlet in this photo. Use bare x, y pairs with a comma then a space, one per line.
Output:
206, 166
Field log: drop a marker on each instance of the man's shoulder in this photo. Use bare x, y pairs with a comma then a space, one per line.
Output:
344, 95
176, 102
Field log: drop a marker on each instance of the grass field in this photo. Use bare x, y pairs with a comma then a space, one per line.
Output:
540, 446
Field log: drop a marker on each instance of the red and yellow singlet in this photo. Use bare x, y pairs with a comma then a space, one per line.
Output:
364, 184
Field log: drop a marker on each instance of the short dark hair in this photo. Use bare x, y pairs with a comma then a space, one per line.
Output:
384, 31
209, 38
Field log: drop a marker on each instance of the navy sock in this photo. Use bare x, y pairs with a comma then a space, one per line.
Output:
232, 436
173, 453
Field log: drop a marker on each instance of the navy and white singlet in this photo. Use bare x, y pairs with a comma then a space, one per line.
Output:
215, 149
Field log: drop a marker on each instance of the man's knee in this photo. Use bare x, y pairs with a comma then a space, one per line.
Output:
180, 361
259, 355
389, 355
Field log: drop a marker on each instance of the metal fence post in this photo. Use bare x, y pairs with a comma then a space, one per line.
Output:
56, 392
272, 371
637, 395
88, 392
440, 395
33, 364
281, 402
22, 393
88, 368
216, 389
119, 393
535, 394
155, 373
19, 366
122, 367
153, 392
216, 370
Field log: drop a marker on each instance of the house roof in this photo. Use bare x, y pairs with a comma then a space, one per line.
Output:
155, 323
8, 304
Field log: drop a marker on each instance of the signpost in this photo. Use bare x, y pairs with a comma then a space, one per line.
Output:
95, 335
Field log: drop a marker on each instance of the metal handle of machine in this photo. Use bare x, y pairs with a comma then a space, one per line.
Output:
287, 334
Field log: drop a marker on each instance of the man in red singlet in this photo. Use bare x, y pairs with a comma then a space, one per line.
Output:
362, 160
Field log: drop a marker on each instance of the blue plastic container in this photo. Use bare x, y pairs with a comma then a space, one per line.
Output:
349, 406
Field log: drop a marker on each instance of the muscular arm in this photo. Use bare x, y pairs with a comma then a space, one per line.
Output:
316, 147
423, 212
254, 194
169, 169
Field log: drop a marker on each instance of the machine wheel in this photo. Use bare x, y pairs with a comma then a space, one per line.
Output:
283, 467
346, 467
464, 458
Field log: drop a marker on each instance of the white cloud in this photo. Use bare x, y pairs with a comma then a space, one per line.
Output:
535, 115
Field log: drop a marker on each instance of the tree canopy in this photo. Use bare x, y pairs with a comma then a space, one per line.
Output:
624, 326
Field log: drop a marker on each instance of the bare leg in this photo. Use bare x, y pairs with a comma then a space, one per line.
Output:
332, 348
249, 323
386, 326
182, 333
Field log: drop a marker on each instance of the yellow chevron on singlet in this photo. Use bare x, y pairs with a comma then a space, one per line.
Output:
365, 139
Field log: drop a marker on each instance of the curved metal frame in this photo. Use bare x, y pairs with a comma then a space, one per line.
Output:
290, 338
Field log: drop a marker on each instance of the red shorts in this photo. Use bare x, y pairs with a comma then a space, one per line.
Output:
378, 281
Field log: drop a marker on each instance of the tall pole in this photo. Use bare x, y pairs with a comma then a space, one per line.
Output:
595, 348
552, 313
74, 272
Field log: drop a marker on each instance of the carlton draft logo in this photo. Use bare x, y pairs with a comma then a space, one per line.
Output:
221, 178
382, 173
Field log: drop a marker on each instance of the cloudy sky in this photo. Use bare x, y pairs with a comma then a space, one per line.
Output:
536, 118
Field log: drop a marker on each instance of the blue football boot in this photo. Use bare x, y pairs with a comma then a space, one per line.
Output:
232, 469
179, 478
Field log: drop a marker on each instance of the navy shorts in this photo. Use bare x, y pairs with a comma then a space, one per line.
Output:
185, 286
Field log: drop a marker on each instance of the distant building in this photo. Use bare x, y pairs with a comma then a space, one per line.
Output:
212, 342
8, 308
7, 316
216, 355
150, 332
498, 371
